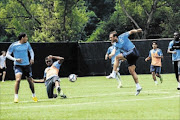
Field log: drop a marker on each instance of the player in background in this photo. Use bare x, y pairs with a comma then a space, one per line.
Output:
130, 54
3, 65
51, 77
174, 49
118, 77
155, 55
22, 65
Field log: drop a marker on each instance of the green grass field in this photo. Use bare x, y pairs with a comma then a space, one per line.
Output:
95, 98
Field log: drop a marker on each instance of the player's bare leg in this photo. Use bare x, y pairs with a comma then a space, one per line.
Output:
31, 85
154, 78
17, 85
135, 77
116, 64
3, 76
159, 76
58, 89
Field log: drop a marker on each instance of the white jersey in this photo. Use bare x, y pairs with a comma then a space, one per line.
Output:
2, 61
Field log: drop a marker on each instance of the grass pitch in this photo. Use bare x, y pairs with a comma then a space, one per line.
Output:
95, 98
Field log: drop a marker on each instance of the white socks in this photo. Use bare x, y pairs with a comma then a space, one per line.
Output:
178, 84
16, 96
114, 73
156, 82
138, 86
33, 95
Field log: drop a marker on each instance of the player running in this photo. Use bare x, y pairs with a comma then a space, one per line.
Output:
130, 54
51, 77
174, 49
155, 55
118, 77
22, 65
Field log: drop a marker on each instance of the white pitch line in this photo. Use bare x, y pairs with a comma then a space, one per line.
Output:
86, 96
86, 103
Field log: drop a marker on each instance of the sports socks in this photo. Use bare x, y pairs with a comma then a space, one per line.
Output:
178, 84
33, 95
16, 95
138, 86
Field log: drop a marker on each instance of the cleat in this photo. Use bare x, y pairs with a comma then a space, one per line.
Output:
178, 88
138, 91
63, 96
54, 95
161, 79
16, 100
119, 86
35, 99
109, 77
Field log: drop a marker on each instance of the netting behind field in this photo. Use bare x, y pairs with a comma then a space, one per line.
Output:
87, 59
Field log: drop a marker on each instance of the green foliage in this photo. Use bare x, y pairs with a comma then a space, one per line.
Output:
45, 20
164, 20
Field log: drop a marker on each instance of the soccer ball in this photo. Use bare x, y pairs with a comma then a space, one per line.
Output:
72, 77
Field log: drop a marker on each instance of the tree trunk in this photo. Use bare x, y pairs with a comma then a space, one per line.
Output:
150, 17
31, 16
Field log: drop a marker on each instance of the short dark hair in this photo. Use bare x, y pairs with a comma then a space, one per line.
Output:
154, 42
114, 33
21, 35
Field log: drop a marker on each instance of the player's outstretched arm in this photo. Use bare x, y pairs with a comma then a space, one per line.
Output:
39, 81
135, 31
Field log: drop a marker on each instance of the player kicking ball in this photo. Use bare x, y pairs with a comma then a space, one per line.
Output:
118, 77
130, 54
155, 55
51, 77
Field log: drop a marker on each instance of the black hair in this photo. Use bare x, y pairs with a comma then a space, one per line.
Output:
114, 33
21, 35
154, 42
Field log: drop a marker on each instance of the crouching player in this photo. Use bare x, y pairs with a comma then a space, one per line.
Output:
118, 77
51, 77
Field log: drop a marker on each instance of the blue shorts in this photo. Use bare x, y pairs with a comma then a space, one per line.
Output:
156, 69
23, 69
131, 56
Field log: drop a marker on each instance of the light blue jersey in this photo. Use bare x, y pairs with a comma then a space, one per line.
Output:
20, 51
176, 56
124, 43
110, 49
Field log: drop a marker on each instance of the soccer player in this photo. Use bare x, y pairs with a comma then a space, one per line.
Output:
22, 65
155, 55
130, 54
118, 77
3, 65
51, 77
174, 49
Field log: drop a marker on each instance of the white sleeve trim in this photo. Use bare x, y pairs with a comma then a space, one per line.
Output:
8, 55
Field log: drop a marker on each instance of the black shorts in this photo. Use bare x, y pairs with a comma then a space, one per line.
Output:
3, 70
131, 56
50, 84
23, 69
